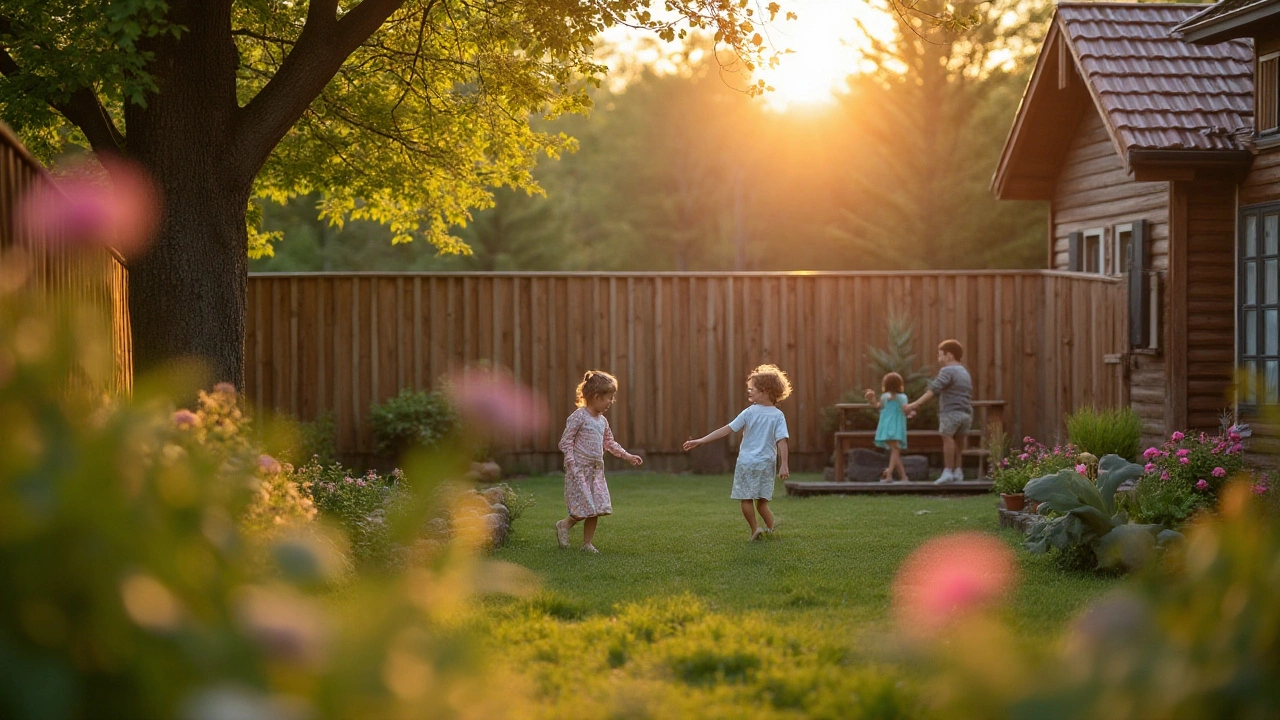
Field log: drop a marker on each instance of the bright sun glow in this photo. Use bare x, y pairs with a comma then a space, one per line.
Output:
825, 41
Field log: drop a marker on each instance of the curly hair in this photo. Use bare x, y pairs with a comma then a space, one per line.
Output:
771, 381
595, 383
892, 383
952, 346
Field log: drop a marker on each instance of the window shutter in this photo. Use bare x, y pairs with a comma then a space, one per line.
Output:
1265, 95
1139, 302
1074, 240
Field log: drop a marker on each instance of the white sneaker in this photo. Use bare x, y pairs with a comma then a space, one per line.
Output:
562, 534
945, 477
957, 475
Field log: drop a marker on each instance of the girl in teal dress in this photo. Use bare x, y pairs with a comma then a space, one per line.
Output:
891, 433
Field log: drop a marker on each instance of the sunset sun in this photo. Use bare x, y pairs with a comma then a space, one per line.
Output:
823, 47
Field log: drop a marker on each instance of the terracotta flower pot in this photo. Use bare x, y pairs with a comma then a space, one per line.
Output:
1013, 501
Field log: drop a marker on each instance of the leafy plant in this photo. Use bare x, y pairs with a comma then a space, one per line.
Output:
1185, 474
1011, 473
1084, 514
1108, 431
412, 419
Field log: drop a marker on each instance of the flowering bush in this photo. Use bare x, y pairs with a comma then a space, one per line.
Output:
1012, 474
1185, 474
359, 504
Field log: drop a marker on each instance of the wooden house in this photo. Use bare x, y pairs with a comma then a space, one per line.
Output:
1139, 141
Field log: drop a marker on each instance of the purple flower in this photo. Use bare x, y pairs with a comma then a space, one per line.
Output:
1150, 453
1164, 475
269, 465
1219, 472
1235, 449
1149, 467
114, 205
1023, 456
1202, 485
1184, 460
1183, 452
185, 420
1177, 436
496, 405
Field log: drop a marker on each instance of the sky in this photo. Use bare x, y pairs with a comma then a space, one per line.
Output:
824, 41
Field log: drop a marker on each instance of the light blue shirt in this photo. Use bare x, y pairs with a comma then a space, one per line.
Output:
765, 426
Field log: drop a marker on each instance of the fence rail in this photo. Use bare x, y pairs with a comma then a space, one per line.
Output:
681, 344
97, 277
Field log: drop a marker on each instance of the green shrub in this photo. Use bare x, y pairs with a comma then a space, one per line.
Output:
1185, 475
897, 355
1110, 431
412, 419
317, 440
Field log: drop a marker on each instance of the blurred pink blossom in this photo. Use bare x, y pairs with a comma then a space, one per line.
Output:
1082, 469
185, 419
1149, 467
113, 204
1261, 487
1150, 453
1177, 436
1164, 475
1219, 472
1184, 460
494, 404
224, 388
1201, 484
269, 465
1183, 452
949, 577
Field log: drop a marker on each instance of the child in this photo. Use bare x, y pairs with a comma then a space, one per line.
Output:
891, 433
954, 389
586, 437
763, 443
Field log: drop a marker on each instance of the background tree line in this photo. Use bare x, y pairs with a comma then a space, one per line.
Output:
681, 170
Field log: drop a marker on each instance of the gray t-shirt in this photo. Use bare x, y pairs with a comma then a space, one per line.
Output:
954, 389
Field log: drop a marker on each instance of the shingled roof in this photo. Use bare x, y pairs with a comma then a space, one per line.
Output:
1155, 93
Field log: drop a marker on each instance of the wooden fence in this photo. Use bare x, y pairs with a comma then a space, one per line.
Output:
98, 277
681, 344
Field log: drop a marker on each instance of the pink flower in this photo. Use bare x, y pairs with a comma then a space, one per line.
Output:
1261, 488
113, 204
1184, 452
1082, 469
1235, 449
224, 388
1029, 440
269, 465
496, 405
348, 480
1201, 484
950, 577
1184, 460
1150, 453
1023, 456
1164, 475
361, 483
1219, 472
1149, 467
1177, 436
185, 419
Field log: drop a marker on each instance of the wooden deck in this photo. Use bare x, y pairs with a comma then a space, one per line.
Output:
964, 487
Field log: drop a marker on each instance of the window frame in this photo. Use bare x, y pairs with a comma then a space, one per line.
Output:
1259, 308
1266, 96
1120, 249
1101, 255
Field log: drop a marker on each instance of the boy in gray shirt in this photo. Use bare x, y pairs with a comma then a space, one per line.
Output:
954, 389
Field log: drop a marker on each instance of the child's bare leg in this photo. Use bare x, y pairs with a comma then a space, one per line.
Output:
589, 530
961, 440
949, 453
763, 506
749, 512
895, 461
571, 521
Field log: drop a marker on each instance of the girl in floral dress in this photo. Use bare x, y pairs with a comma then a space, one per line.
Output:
764, 444
586, 437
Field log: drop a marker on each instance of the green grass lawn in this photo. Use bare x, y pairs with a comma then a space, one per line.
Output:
679, 615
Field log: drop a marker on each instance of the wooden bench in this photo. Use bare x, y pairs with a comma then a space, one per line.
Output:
985, 413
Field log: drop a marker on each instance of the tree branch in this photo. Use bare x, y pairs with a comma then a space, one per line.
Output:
323, 46
82, 107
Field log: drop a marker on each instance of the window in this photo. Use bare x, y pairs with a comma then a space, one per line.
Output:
1258, 333
1091, 251
1119, 249
1266, 118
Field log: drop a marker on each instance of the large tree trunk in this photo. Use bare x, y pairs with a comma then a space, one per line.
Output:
187, 291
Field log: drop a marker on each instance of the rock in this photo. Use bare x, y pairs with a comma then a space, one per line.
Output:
866, 466
494, 495
485, 472
498, 528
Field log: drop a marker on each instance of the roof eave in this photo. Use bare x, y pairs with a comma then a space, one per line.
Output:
1151, 164
1225, 27
1003, 183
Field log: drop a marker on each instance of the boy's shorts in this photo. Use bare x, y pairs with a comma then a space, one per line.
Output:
953, 424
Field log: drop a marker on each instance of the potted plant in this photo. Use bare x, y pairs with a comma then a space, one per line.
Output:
1011, 474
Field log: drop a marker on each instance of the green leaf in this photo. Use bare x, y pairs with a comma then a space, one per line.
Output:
1128, 546
1114, 471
